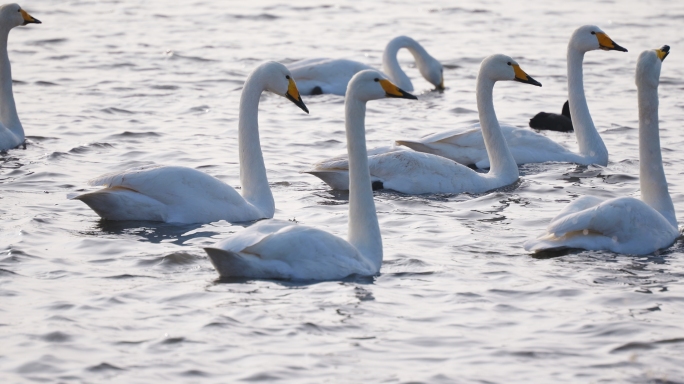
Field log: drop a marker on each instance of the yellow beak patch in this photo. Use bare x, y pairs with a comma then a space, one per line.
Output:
390, 88
604, 40
663, 52
292, 90
519, 73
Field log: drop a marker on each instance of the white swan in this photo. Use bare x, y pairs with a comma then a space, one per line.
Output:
185, 195
317, 76
624, 224
11, 131
466, 146
285, 250
412, 172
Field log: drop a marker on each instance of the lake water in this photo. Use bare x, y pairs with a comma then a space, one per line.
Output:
107, 85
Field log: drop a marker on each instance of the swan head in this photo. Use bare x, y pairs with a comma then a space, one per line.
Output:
590, 37
11, 15
372, 85
648, 66
501, 67
278, 79
432, 70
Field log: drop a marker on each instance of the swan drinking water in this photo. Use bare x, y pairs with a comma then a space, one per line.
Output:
624, 224
185, 195
11, 131
317, 76
285, 250
412, 172
468, 146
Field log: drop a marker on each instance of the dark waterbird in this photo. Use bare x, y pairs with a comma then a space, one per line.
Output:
544, 121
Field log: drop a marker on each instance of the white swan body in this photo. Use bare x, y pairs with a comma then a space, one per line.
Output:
467, 146
321, 75
285, 250
185, 195
11, 130
625, 224
411, 172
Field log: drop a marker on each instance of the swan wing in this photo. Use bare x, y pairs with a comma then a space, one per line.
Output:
330, 75
185, 194
285, 250
623, 225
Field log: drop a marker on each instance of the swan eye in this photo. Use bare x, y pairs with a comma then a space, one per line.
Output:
593, 33
376, 79
287, 77
509, 63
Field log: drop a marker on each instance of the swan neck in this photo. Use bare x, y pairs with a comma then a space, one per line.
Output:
8, 109
502, 163
364, 230
255, 188
390, 64
591, 145
654, 191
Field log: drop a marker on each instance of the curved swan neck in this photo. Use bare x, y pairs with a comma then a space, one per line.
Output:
8, 109
590, 143
364, 230
654, 190
255, 188
501, 160
390, 64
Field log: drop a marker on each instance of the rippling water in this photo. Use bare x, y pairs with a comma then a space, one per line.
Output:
103, 86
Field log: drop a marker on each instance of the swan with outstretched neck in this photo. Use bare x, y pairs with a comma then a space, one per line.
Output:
318, 76
185, 195
467, 146
412, 172
625, 224
11, 130
274, 249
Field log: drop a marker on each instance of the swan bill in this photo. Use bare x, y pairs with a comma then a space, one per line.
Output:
607, 44
28, 19
392, 90
523, 77
441, 87
294, 96
663, 52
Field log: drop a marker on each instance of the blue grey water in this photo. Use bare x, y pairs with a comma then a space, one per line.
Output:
106, 85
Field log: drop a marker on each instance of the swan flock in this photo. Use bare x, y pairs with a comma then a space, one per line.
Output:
441, 162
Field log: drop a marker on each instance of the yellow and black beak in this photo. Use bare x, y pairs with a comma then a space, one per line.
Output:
392, 90
440, 87
294, 96
28, 19
522, 77
607, 44
663, 52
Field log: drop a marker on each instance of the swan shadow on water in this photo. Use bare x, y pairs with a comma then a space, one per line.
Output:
155, 232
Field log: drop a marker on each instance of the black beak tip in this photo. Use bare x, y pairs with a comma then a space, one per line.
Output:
37, 21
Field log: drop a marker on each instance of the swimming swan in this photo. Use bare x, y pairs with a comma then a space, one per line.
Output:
467, 147
285, 250
317, 76
11, 131
408, 171
186, 195
624, 224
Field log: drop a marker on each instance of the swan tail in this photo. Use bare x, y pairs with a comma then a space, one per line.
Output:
234, 264
338, 180
118, 203
416, 146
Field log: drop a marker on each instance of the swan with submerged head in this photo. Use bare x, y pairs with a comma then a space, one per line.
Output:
274, 249
318, 76
624, 224
185, 195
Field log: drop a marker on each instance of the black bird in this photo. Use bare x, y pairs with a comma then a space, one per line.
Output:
544, 121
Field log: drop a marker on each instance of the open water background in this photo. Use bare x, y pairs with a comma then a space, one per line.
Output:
106, 85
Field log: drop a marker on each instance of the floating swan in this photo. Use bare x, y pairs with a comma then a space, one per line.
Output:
11, 131
408, 171
624, 224
185, 195
467, 146
317, 76
544, 121
285, 250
